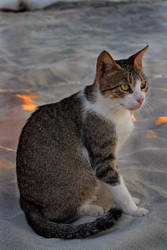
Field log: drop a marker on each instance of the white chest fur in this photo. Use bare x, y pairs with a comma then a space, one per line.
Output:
110, 111
124, 125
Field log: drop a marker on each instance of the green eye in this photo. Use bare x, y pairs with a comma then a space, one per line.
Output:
142, 85
125, 87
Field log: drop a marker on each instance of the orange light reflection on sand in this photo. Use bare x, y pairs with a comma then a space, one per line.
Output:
151, 134
6, 164
3, 90
157, 76
28, 105
133, 118
161, 120
7, 149
162, 89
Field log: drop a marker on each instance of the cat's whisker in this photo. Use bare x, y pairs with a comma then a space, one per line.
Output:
147, 108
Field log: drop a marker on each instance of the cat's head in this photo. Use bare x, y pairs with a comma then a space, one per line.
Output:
122, 81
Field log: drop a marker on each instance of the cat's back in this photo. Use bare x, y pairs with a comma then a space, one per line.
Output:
51, 129
49, 154
51, 119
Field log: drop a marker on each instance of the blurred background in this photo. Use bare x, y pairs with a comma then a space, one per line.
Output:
47, 55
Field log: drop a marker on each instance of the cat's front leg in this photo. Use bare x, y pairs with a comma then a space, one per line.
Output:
124, 199
101, 146
107, 172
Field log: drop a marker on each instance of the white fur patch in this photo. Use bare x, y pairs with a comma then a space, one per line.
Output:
125, 201
123, 198
110, 110
85, 154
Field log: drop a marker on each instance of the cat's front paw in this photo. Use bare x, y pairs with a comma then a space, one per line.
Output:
136, 200
140, 212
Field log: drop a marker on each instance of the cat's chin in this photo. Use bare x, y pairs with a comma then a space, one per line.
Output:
132, 108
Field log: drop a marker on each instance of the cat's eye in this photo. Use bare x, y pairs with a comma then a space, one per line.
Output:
142, 85
125, 87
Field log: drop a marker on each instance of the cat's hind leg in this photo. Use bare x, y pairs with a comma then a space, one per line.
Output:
101, 202
90, 210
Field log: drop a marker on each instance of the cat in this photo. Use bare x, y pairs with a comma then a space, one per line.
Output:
23, 5
66, 157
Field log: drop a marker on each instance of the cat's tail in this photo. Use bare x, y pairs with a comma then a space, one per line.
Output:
50, 229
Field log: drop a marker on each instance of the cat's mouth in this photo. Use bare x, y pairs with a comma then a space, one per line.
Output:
133, 108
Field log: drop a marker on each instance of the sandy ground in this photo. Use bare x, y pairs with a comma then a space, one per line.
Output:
47, 55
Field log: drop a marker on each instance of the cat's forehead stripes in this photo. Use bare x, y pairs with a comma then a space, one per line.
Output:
114, 79
110, 84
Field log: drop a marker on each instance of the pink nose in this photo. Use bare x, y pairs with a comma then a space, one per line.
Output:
140, 99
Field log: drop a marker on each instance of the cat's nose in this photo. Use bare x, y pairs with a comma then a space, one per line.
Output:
140, 99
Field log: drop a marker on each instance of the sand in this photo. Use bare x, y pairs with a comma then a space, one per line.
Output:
47, 55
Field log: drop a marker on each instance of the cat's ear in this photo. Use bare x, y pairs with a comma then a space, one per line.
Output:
136, 59
105, 64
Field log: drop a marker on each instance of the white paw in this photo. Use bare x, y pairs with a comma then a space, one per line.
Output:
140, 212
136, 200
90, 210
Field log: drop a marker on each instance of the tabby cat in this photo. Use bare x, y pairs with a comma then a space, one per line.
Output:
66, 157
